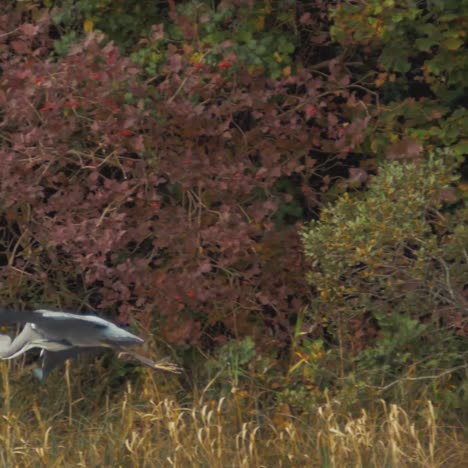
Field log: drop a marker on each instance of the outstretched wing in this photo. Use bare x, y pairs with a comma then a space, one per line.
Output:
53, 359
8, 316
48, 317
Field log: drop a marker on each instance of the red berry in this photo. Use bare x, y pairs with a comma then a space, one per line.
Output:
47, 107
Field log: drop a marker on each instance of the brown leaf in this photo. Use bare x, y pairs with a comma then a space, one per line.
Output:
408, 148
305, 18
357, 175
448, 195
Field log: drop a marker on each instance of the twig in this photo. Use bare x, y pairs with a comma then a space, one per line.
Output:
9, 33
179, 89
423, 377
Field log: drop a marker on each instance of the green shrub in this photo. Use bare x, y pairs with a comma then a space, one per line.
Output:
414, 57
389, 266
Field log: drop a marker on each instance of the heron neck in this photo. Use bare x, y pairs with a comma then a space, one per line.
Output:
20, 344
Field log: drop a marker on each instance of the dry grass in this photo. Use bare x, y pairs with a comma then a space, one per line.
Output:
60, 424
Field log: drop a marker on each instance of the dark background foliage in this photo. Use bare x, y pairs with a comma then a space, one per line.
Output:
159, 160
179, 198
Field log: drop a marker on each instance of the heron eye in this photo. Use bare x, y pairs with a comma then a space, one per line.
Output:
100, 326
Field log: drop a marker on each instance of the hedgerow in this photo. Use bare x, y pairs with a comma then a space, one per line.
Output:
159, 161
175, 199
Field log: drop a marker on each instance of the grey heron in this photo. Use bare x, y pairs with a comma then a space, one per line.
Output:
62, 335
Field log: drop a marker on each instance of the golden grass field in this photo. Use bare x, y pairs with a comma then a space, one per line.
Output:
66, 423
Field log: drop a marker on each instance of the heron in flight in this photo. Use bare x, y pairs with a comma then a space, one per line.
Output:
61, 336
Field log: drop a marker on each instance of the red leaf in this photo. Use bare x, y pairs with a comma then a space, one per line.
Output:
29, 29
72, 105
310, 111
191, 294
48, 106
112, 56
224, 64
20, 47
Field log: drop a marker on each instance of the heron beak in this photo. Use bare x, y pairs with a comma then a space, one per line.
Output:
130, 340
126, 340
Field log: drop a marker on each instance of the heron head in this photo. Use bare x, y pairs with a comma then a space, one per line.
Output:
112, 335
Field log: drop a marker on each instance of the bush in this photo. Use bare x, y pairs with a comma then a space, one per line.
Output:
415, 59
173, 201
389, 268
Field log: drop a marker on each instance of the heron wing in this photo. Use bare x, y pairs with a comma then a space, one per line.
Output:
77, 330
57, 325
53, 359
8, 316
43, 317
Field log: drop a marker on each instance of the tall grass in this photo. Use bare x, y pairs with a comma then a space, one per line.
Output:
65, 423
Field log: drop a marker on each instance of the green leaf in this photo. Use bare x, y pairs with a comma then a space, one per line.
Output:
425, 43
453, 43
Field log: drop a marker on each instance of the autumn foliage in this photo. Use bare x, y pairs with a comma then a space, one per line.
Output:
282, 189
176, 199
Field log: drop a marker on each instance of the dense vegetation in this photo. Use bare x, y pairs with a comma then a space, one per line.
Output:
274, 194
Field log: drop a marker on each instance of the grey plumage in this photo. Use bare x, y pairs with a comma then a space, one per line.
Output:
62, 335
